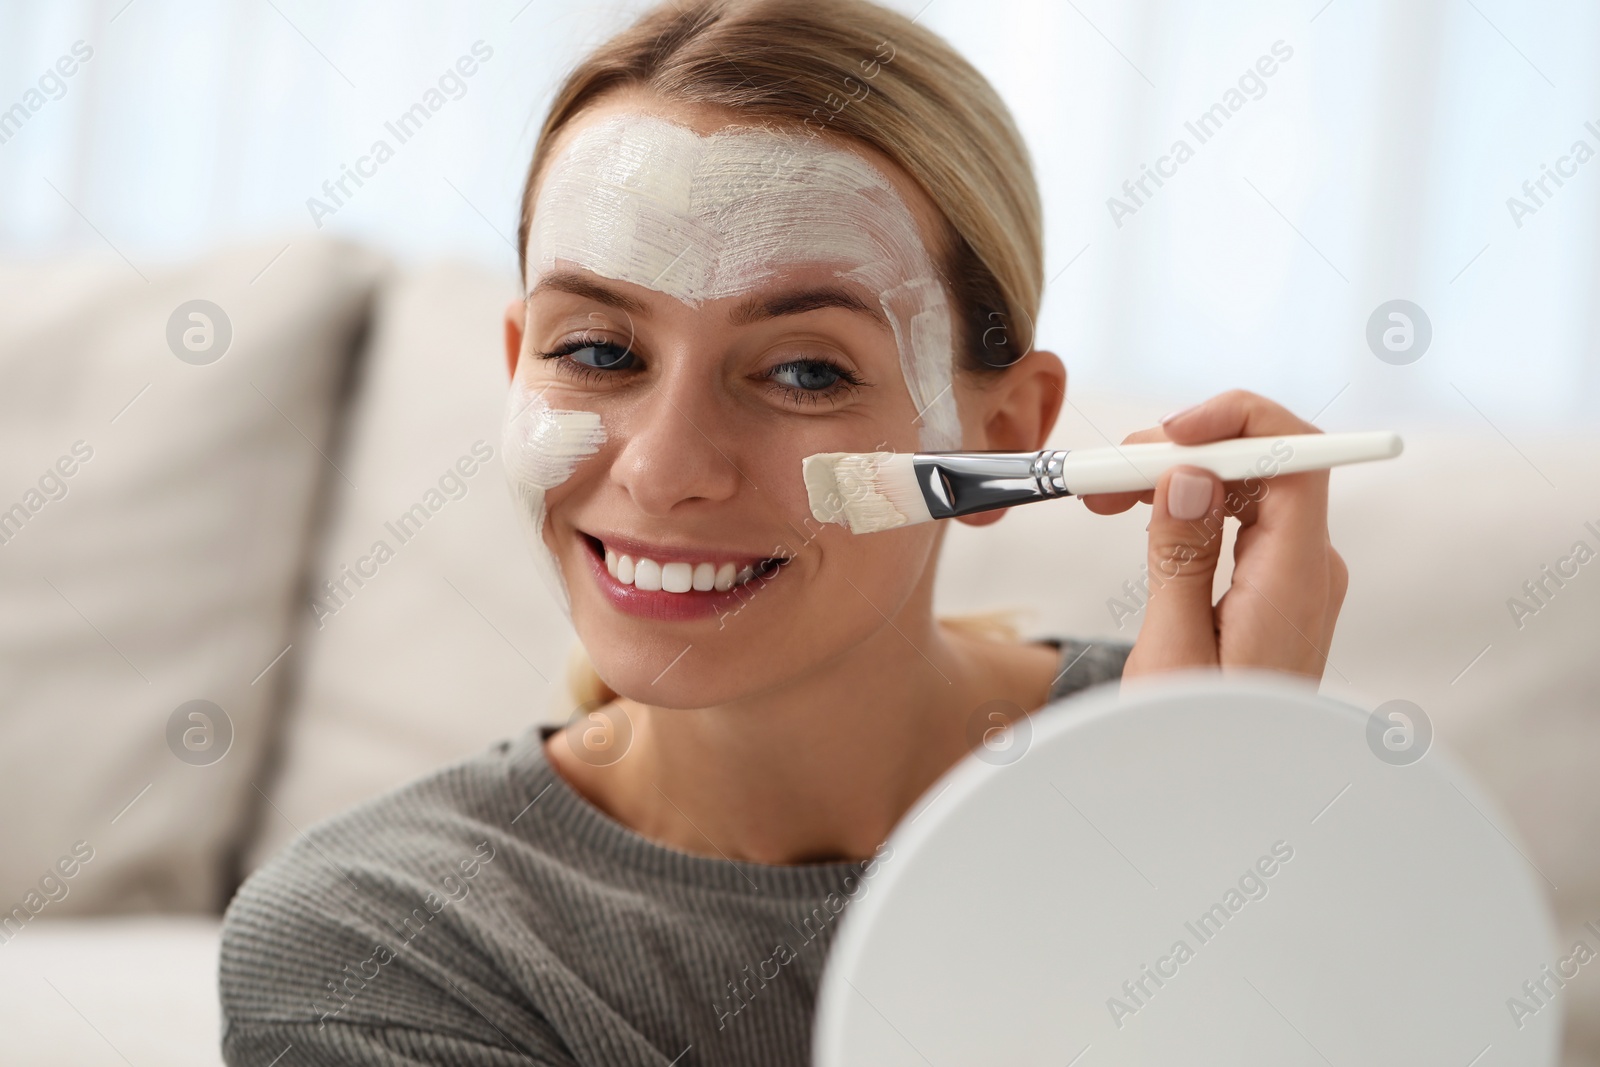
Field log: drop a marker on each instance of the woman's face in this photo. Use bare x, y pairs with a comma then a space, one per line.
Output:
707, 307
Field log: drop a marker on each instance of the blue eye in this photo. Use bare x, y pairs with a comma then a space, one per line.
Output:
601, 355
810, 375
587, 359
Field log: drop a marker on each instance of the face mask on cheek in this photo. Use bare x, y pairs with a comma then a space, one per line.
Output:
541, 447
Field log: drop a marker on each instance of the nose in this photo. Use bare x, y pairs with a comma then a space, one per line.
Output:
672, 454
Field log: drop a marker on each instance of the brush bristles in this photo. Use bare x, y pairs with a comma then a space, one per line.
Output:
866, 491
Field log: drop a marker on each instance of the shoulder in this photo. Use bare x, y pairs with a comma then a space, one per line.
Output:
1088, 663
377, 922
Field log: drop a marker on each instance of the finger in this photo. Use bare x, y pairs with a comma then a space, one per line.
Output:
1295, 503
1282, 606
1235, 413
1299, 502
1114, 503
1186, 520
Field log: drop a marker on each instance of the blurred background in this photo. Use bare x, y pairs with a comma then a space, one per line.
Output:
1376, 163
1383, 215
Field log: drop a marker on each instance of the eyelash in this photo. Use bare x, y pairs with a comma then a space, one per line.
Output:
581, 371
848, 380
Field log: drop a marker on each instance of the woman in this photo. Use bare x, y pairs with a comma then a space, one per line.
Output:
751, 232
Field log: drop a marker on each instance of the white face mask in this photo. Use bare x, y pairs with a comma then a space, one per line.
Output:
541, 446
638, 199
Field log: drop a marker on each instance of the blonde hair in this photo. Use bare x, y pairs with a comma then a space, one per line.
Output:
854, 70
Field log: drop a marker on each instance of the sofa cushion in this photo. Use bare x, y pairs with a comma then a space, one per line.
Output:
109, 992
427, 633
157, 480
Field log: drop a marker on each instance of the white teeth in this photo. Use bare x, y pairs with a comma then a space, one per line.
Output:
647, 575
675, 577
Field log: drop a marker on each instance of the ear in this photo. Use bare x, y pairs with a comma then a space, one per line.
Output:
1018, 411
515, 311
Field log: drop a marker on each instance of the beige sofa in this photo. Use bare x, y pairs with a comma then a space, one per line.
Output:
186, 559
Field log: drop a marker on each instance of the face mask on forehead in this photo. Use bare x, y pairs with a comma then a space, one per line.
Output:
638, 199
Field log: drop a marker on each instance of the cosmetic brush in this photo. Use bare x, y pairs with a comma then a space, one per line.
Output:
872, 491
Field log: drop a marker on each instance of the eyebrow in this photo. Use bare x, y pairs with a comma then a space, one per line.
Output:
565, 281
800, 301
755, 309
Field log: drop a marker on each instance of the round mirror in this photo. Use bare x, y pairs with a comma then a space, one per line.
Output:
1201, 871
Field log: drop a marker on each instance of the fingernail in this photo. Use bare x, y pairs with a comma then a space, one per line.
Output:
1188, 495
1169, 416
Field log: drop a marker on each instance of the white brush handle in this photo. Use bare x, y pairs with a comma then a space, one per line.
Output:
1133, 468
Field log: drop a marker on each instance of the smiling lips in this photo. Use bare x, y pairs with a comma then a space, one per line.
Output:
675, 577
660, 583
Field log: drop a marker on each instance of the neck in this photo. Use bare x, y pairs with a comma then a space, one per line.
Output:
821, 768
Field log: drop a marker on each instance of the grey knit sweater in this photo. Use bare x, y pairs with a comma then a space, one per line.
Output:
488, 915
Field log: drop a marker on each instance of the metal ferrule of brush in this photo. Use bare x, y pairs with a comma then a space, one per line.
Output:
964, 483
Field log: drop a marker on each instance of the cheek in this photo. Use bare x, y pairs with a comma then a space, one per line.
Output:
861, 580
773, 465
542, 447
536, 380
543, 444
549, 521
881, 567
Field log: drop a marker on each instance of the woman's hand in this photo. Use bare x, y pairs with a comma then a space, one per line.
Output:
1288, 582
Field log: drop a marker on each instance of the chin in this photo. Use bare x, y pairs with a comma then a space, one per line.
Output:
650, 665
